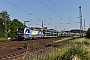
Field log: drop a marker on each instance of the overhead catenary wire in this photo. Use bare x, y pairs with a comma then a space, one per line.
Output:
50, 18
49, 8
59, 9
10, 9
13, 14
20, 8
54, 5
39, 19
31, 6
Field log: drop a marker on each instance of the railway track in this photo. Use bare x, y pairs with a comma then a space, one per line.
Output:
42, 49
15, 49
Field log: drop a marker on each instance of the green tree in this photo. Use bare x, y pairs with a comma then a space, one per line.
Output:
13, 27
88, 33
4, 14
4, 17
1, 28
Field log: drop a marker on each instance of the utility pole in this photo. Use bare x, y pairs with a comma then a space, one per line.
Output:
42, 24
80, 16
55, 27
25, 22
5, 24
84, 24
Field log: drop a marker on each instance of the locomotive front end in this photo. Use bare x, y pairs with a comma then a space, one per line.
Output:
20, 33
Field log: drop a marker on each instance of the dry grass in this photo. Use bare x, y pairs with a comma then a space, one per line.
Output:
3, 38
60, 51
56, 52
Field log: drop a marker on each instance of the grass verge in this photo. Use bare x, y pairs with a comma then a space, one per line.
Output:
79, 47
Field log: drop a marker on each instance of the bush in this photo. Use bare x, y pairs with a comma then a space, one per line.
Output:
86, 43
88, 33
74, 51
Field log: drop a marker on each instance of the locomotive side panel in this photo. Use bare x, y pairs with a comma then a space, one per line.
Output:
26, 33
37, 34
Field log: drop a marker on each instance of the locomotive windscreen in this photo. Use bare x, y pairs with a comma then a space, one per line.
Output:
20, 30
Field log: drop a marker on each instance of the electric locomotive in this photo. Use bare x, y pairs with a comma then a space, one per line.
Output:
29, 33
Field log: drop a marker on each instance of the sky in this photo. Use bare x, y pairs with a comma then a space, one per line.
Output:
55, 14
